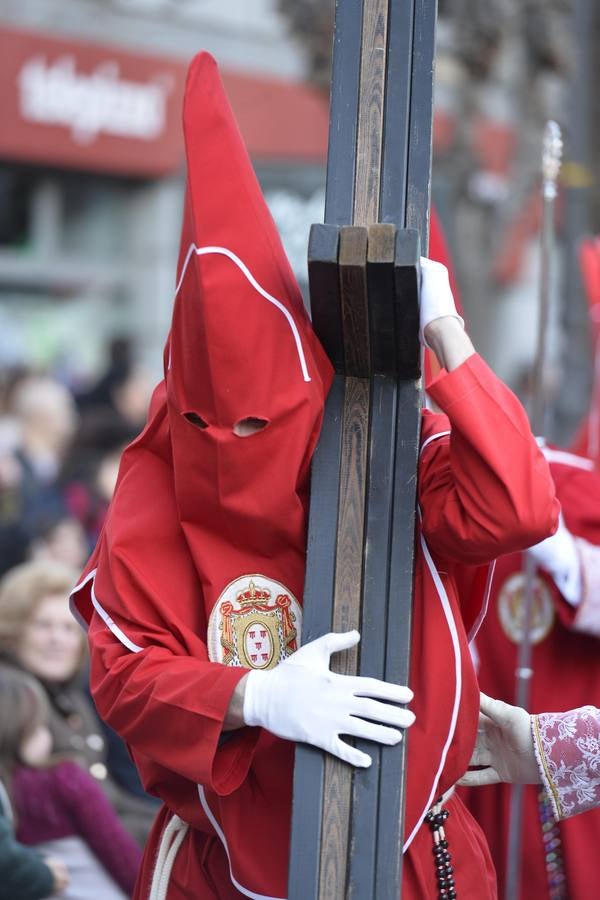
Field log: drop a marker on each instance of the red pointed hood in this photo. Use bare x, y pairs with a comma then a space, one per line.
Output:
241, 346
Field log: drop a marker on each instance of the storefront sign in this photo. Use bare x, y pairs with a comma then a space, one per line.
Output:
85, 106
78, 105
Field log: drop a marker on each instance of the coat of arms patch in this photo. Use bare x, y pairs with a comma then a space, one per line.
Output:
256, 623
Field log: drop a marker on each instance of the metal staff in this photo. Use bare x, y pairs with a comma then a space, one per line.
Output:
551, 159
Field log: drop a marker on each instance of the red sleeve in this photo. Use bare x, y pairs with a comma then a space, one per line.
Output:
564, 747
165, 698
485, 489
585, 617
97, 823
150, 673
578, 488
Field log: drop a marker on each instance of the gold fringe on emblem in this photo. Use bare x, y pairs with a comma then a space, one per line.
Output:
287, 624
227, 634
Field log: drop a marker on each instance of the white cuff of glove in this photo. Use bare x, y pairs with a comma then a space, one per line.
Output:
436, 298
558, 556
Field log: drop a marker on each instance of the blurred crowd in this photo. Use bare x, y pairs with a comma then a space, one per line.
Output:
73, 814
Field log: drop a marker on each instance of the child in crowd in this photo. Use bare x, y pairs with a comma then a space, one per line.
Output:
58, 806
39, 634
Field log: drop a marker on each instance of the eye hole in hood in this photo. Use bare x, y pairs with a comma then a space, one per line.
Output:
196, 420
249, 426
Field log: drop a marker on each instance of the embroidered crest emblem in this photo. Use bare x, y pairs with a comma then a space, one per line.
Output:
511, 609
256, 623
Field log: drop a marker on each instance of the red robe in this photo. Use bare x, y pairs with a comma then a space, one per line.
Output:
587, 440
566, 666
197, 508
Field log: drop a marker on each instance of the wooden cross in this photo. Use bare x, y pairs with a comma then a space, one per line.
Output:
347, 830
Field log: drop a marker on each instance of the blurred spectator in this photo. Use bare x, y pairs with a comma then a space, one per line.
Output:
39, 634
35, 437
63, 539
119, 362
113, 412
131, 397
90, 477
24, 873
47, 417
59, 807
14, 541
58, 466
124, 387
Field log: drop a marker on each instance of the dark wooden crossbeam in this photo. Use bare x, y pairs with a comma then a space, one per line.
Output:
347, 830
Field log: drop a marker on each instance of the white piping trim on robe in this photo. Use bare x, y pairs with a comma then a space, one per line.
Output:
434, 437
568, 459
106, 618
224, 251
78, 587
217, 827
134, 648
486, 601
491, 569
122, 637
443, 596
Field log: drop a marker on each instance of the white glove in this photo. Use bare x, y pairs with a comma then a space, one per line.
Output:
504, 746
436, 299
302, 700
559, 557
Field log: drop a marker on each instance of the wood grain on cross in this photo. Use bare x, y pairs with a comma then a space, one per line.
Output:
347, 830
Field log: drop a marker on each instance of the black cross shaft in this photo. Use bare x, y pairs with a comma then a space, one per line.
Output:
347, 829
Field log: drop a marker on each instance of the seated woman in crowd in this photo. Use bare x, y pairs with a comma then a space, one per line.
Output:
39, 634
59, 807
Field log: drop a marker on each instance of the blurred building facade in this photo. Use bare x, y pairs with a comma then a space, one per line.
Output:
88, 235
503, 68
92, 161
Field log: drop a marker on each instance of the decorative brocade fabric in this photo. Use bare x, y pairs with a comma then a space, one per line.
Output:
567, 748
